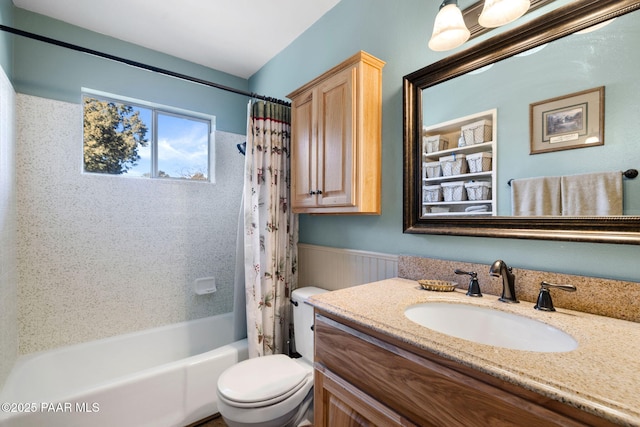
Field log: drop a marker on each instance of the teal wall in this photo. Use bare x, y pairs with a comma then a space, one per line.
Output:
6, 46
608, 57
49, 71
397, 32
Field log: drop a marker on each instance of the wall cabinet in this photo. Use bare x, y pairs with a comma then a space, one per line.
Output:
336, 123
459, 178
365, 378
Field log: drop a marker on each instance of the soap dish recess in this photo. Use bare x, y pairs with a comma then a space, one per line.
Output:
437, 285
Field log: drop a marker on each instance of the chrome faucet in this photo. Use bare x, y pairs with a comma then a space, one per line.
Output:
500, 269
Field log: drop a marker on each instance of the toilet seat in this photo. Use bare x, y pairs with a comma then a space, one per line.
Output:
263, 381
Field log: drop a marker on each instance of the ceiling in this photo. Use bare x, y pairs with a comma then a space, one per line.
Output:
234, 36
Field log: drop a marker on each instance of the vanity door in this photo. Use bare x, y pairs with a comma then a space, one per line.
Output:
339, 403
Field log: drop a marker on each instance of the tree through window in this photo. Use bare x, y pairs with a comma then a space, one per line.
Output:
123, 138
112, 134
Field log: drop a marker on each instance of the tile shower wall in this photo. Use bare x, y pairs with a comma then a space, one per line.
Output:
104, 255
8, 239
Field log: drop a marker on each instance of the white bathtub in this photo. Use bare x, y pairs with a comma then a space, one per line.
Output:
160, 377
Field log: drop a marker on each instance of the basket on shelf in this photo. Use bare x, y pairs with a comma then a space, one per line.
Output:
455, 164
432, 169
479, 162
478, 190
453, 191
477, 132
434, 143
432, 193
439, 209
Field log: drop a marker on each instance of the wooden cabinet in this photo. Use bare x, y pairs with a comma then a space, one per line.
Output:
469, 190
336, 124
344, 405
364, 378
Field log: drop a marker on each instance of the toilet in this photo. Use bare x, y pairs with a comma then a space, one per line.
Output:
274, 390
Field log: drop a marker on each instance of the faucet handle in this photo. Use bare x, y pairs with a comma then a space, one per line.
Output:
470, 273
544, 298
474, 285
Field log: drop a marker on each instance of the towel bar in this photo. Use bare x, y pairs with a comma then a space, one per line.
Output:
629, 173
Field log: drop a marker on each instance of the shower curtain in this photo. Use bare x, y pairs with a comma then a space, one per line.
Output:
270, 229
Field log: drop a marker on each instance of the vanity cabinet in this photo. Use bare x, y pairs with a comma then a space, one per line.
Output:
336, 122
476, 165
344, 405
365, 378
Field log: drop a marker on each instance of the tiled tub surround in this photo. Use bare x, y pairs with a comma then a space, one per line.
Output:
8, 234
602, 376
605, 297
100, 255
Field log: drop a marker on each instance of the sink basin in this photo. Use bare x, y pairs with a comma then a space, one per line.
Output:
491, 327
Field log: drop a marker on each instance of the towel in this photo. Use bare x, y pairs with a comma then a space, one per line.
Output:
592, 194
536, 196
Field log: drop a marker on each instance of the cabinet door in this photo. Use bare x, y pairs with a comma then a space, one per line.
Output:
303, 152
340, 404
336, 139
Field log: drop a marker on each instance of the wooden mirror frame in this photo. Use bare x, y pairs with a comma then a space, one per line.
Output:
551, 26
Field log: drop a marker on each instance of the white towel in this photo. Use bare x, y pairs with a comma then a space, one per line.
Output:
536, 196
592, 194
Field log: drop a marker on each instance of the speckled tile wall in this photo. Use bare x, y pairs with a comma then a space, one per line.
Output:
105, 255
8, 237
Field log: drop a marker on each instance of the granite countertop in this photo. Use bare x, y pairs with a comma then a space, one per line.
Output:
602, 376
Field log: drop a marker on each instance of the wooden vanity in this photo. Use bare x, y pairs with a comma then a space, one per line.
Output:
373, 367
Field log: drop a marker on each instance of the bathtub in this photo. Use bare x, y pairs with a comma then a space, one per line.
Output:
160, 377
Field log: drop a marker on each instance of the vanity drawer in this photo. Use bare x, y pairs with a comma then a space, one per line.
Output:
425, 391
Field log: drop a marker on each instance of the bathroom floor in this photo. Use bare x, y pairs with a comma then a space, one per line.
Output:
217, 422
211, 422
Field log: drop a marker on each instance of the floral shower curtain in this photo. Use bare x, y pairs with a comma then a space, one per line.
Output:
271, 229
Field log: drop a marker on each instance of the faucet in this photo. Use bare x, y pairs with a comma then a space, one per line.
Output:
474, 286
500, 269
544, 299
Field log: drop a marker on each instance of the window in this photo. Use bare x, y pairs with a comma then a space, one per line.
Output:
144, 140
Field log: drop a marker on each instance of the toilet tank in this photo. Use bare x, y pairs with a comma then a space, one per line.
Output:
303, 320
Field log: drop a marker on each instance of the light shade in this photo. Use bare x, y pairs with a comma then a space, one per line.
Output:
595, 27
500, 12
449, 30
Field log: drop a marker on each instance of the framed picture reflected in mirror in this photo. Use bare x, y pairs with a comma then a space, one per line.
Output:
566, 122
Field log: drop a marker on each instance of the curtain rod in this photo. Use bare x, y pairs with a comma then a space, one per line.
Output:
139, 65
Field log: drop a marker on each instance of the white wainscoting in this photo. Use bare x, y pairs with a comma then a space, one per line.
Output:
333, 268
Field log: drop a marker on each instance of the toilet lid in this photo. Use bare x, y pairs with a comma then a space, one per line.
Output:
269, 378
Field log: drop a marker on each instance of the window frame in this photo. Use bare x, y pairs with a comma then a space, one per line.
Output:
156, 109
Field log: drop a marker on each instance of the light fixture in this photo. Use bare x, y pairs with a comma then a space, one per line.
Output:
595, 27
532, 50
449, 30
500, 12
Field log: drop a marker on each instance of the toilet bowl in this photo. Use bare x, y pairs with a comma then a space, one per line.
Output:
274, 390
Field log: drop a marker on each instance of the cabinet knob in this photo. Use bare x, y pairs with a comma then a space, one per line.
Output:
312, 193
319, 192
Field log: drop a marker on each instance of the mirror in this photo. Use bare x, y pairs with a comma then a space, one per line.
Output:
427, 103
